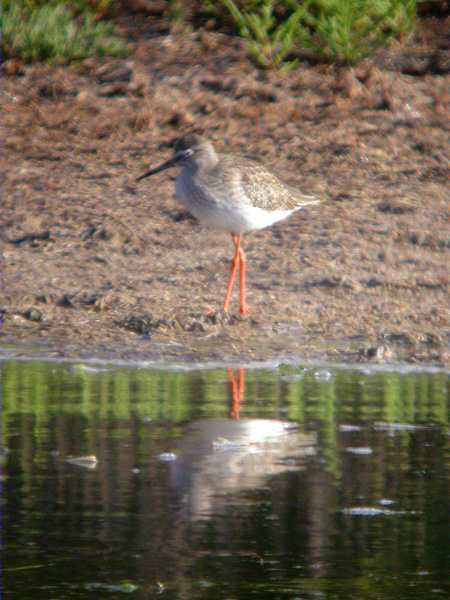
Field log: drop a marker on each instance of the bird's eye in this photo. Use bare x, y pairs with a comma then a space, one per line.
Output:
188, 152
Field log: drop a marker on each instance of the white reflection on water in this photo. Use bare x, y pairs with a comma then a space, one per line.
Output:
220, 457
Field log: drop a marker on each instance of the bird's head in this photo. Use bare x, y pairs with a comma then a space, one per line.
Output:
192, 151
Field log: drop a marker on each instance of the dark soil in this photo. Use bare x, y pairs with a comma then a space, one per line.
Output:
95, 264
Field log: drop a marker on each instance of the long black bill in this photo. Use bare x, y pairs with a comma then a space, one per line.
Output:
166, 165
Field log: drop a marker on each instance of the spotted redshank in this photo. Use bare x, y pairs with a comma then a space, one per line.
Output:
230, 193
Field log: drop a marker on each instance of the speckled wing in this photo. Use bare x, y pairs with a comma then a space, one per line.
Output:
261, 188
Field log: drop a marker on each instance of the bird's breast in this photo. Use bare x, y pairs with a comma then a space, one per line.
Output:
197, 198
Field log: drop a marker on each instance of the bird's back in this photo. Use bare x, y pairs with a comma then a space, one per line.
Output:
246, 181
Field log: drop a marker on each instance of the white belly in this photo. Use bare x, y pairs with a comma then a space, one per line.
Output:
216, 212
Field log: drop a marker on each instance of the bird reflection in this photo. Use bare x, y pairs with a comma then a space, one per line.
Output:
220, 457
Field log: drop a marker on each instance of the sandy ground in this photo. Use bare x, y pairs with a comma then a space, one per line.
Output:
96, 264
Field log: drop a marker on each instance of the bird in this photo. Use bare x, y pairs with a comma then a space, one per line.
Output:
230, 193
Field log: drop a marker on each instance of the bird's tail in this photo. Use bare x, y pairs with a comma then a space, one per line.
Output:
306, 200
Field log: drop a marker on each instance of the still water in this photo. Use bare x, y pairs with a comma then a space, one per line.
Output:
289, 483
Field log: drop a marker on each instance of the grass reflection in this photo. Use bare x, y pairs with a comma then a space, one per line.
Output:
44, 389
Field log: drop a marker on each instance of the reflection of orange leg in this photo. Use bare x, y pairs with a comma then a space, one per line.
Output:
237, 391
241, 384
235, 262
234, 393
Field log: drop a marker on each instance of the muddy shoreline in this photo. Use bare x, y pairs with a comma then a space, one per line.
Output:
95, 265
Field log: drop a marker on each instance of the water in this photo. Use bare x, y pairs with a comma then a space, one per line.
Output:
295, 484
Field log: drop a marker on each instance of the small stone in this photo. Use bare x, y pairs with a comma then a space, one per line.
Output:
33, 314
323, 375
88, 232
87, 462
378, 353
373, 282
395, 208
344, 428
359, 450
167, 456
145, 324
64, 301
117, 88
111, 73
197, 326
87, 298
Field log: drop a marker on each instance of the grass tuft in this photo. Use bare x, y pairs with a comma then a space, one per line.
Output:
340, 31
347, 31
268, 41
51, 32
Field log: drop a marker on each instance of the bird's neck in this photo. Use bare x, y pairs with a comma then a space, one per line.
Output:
205, 161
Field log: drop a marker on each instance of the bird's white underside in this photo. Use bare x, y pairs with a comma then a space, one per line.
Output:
238, 220
219, 213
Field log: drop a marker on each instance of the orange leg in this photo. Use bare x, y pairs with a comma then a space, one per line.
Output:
238, 260
243, 308
234, 265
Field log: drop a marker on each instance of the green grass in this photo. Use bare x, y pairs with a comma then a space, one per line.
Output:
340, 31
268, 41
97, 7
337, 31
53, 32
347, 31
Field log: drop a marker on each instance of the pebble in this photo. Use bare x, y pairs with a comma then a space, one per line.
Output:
347, 428
323, 375
167, 456
33, 314
88, 462
359, 450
